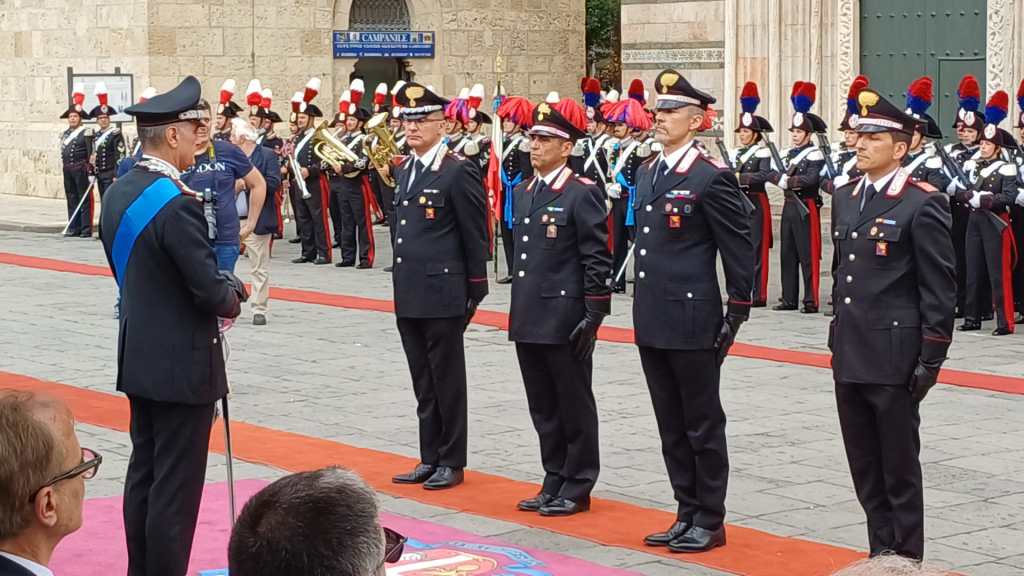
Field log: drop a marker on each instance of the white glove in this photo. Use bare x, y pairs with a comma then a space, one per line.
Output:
1020, 197
783, 181
614, 191
975, 200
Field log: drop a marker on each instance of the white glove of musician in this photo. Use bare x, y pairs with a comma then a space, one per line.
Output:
784, 181
614, 191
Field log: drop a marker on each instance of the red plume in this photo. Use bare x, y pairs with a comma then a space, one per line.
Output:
709, 119
810, 91
573, 112
859, 83
636, 90
969, 87
796, 88
584, 82
517, 109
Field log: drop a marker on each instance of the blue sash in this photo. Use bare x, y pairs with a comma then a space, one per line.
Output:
630, 219
135, 219
509, 185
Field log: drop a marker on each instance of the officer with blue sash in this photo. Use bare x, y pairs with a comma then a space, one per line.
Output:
169, 359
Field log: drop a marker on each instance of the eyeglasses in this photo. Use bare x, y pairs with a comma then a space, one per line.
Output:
91, 461
394, 544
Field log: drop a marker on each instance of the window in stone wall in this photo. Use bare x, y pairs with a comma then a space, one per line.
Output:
379, 15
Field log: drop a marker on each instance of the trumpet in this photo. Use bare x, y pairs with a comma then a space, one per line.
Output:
382, 149
332, 151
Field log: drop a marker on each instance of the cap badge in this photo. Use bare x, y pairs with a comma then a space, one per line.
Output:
866, 100
968, 117
668, 80
853, 121
413, 93
990, 131
543, 110
747, 119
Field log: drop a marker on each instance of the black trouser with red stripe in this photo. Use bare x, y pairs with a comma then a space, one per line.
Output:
619, 237
76, 184
801, 252
761, 235
1017, 218
316, 233
990, 249
337, 221
961, 213
356, 227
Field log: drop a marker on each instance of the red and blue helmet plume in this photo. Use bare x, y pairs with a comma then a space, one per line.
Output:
636, 91
749, 98
458, 109
803, 96
859, 83
969, 93
518, 110
591, 92
627, 111
1020, 95
919, 95
997, 108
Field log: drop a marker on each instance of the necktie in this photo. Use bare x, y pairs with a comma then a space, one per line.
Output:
869, 193
659, 170
418, 168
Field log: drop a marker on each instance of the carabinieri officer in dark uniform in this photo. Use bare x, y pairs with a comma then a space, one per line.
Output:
560, 295
894, 296
753, 162
108, 146
440, 276
170, 361
689, 209
75, 150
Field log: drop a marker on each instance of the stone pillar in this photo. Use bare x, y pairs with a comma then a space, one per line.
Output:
847, 49
999, 34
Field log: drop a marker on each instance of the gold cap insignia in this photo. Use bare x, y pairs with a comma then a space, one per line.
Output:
667, 80
543, 110
866, 100
413, 93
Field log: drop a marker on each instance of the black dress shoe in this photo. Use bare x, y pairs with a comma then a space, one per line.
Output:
969, 325
364, 266
345, 264
320, 261
784, 307
301, 260
444, 477
388, 268
564, 507
829, 312
663, 538
295, 240
809, 309
70, 234
418, 475
505, 280
259, 320
1001, 331
698, 539
536, 503
86, 235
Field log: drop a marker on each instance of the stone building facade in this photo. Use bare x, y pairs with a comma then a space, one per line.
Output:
283, 43
720, 44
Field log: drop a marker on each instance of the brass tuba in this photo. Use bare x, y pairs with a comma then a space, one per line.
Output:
382, 149
328, 148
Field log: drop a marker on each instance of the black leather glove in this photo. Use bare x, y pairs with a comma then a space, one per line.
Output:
584, 336
236, 285
727, 335
470, 311
921, 381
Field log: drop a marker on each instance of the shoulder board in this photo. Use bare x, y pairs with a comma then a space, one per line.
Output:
763, 153
89, 132
656, 147
1008, 169
649, 159
579, 148
643, 151
934, 163
852, 182
456, 155
586, 180
815, 155
524, 145
923, 185
715, 162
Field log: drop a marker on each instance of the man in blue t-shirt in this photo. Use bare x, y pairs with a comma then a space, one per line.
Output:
219, 165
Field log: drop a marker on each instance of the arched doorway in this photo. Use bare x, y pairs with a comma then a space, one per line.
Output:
383, 15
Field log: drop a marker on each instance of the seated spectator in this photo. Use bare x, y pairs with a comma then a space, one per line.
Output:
42, 480
320, 522
889, 565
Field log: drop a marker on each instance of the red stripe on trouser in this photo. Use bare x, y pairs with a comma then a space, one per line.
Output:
611, 235
369, 202
1007, 267
814, 220
766, 244
325, 208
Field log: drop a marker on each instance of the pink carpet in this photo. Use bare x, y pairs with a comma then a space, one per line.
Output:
98, 549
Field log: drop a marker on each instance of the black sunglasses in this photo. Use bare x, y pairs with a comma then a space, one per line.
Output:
91, 461
394, 545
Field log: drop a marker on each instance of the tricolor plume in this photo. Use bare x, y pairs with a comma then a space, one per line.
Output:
296, 102
629, 112
997, 107
101, 93
517, 109
227, 91
345, 102
266, 98
969, 93
394, 100
356, 90
573, 112
311, 90
148, 93
252, 93
919, 95
591, 92
380, 95
749, 98
458, 108
636, 91
803, 96
476, 96
859, 83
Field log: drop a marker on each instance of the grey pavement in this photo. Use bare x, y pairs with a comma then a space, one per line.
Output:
341, 374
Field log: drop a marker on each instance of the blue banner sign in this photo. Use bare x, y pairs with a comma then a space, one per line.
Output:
384, 44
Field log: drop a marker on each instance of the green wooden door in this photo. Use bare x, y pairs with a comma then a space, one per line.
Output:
901, 40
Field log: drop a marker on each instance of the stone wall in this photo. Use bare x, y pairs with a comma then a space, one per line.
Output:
161, 41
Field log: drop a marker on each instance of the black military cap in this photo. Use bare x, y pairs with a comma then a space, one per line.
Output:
674, 91
416, 101
361, 114
998, 136
268, 114
102, 110
229, 110
177, 105
480, 117
879, 115
311, 110
550, 120
755, 123
929, 128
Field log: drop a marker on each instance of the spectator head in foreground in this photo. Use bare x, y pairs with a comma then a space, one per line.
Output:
323, 522
43, 471
889, 565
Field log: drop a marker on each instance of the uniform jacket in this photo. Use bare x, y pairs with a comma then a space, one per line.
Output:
996, 178
754, 168
351, 177
845, 161
562, 261
926, 167
168, 348
309, 160
109, 149
895, 286
441, 240
76, 147
694, 212
626, 158
803, 172
590, 159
